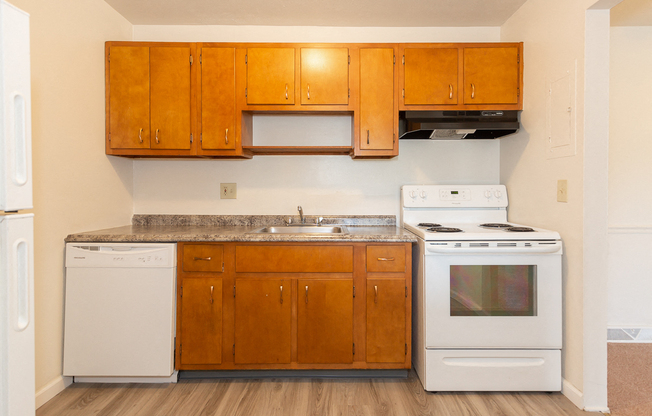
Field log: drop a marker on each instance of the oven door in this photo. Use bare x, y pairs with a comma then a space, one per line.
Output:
492, 297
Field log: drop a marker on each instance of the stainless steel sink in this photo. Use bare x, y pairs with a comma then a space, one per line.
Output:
302, 229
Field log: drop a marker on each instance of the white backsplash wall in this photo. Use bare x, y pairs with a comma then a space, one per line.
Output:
322, 185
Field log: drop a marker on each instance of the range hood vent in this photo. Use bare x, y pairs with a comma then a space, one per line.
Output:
453, 125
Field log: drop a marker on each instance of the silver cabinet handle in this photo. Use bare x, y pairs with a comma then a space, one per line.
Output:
367, 136
211, 294
281, 294
472, 90
157, 136
286, 91
203, 258
450, 89
385, 258
306, 294
140, 135
375, 294
308, 91
226, 136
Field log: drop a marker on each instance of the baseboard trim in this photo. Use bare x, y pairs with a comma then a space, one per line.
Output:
51, 389
573, 394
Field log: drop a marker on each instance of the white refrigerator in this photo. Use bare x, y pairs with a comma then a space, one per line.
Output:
17, 389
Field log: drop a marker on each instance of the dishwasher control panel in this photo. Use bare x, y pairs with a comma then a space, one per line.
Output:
120, 255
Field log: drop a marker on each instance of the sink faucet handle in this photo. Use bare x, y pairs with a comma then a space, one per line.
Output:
319, 220
288, 221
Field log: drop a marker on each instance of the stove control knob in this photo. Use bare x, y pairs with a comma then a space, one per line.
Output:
498, 194
413, 194
487, 194
423, 194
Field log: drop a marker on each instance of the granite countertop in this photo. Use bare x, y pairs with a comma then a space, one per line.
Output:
174, 228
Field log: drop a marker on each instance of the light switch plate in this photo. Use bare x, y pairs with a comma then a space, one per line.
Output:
228, 191
562, 190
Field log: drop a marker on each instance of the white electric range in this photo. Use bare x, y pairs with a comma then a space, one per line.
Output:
487, 292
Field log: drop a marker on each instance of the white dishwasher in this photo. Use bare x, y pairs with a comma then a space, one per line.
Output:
120, 312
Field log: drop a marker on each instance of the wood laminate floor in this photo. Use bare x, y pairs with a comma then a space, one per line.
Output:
297, 396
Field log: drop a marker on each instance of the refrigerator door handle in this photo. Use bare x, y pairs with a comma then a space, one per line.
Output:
20, 275
20, 140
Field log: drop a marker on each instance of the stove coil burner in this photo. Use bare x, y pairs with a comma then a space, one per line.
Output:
520, 229
445, 230
495, 225
428, 224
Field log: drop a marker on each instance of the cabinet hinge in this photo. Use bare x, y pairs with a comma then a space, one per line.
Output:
246, 59
201, 137
180, 348
403, 92
518, 58
233, 290
518, 91
406, 291
109, 136
181, 294
222, 267
353, 291
349, 92
233, 349
349, 59
190, 59
190, 138
109, 58
394, 59
405, 349
245, 93
354, 348
200, 60
394, 138
403, 59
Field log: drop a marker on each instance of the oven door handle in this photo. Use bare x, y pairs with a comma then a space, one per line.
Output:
495, 250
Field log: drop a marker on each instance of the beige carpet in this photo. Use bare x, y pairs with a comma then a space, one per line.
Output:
630, 379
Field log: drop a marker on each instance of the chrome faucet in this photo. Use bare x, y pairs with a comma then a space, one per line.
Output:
303, 220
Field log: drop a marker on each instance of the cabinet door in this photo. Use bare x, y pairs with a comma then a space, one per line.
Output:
491, 75
431, 76
377, 99
263, 314
325, 76
386, 320
170, 98
325, 321
129, 97
270, 76
201, 321
218, 98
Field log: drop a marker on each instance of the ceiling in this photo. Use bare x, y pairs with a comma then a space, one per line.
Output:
346, 13
632, 13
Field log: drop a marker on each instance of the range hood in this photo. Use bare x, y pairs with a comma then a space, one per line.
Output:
451, 125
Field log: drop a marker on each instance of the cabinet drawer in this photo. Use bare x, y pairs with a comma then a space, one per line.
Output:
294, 259
385, 258
203, 258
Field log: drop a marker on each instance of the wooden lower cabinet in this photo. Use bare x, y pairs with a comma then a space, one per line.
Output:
338, 305
325, 321
201, 320
263, 321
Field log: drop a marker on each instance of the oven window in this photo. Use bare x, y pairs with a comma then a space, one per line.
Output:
508, 290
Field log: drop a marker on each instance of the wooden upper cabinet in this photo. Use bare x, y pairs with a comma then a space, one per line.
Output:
170, 97
201, 321
491, 75
386, 320
128, 97
431, 76
325, 76
325, 321
263, 321
377, 124
218, 98
270, 76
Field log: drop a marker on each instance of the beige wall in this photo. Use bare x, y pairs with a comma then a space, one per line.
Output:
630, 187
320, 184
76, 187
553, 32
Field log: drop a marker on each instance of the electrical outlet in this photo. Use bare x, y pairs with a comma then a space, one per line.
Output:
228, 191
562, 190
